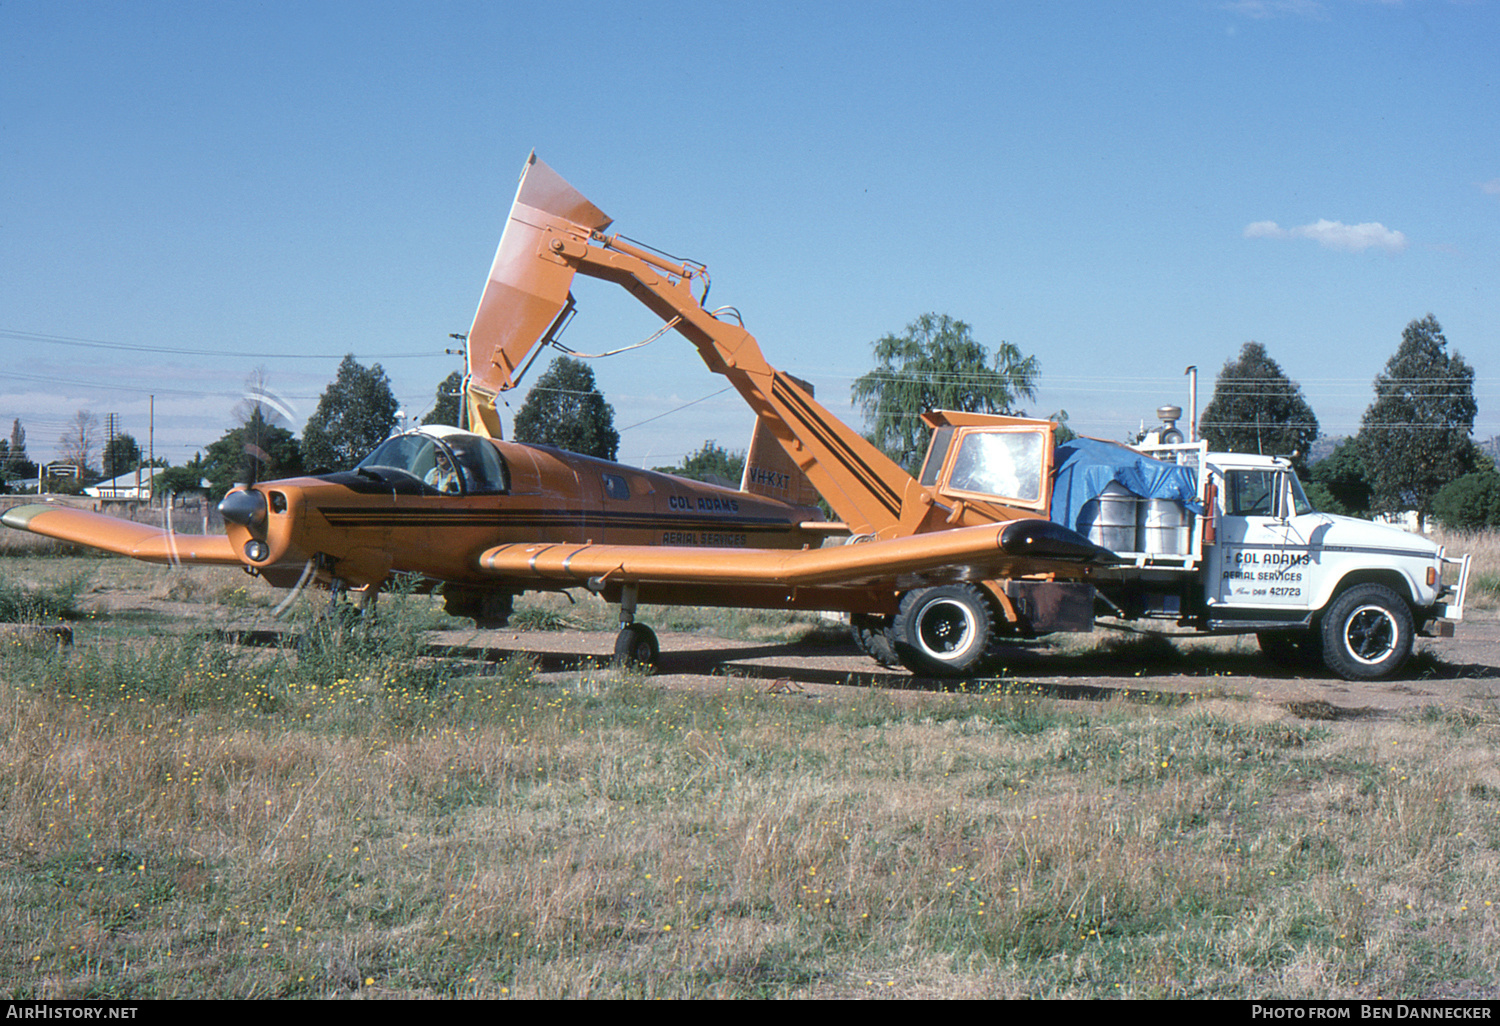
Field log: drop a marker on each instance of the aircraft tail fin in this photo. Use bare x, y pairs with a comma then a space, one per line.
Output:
770, 469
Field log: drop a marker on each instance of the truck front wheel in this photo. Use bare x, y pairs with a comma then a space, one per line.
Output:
946, 631
1367, 633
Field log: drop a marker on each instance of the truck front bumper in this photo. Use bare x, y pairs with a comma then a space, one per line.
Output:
1450, 604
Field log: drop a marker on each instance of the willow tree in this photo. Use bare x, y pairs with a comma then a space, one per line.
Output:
936, 364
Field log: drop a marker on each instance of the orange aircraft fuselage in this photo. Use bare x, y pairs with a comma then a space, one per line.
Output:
390, 516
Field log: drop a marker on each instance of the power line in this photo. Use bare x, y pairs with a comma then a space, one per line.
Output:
93, 343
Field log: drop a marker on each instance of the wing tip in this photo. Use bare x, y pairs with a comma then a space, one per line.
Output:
20, 517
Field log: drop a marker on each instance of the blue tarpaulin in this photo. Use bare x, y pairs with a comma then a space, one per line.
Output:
1084, 467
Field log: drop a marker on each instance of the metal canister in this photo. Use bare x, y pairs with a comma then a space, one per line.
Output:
1163, 528
1111, 518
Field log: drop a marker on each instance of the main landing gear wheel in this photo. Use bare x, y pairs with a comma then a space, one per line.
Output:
636, 647
948, 631
1367, 633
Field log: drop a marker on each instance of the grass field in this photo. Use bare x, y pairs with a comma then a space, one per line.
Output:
185, 817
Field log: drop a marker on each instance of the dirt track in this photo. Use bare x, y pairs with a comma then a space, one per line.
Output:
1459, 671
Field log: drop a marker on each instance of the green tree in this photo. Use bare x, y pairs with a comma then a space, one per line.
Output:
1415, 437
1338, 482
565, 408
354, 415
186, 478
1062, 433
257, 450
711, 463
1256, 408
448, 402
936, 364
1470, 503
14, 462
122, 454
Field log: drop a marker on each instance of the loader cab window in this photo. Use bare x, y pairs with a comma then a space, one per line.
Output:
1007, 465
936, 453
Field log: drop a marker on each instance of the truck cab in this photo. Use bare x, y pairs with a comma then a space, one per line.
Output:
1315, 587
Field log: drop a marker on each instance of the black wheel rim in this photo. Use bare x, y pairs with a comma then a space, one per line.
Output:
1371, 634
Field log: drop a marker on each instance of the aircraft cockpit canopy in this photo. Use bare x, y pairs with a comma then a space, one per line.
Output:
455, 463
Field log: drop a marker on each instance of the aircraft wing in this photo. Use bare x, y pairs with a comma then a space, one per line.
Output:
1011, 549
126, 537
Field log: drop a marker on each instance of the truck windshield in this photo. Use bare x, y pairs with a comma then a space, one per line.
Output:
1300, 501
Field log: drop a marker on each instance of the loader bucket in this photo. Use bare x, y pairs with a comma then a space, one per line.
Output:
525, 290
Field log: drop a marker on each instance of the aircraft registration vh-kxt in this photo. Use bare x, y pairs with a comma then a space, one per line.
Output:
934, 571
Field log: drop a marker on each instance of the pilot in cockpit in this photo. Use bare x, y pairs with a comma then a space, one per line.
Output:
444, 476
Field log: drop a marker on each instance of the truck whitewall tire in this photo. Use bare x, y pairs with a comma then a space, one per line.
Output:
1367, 633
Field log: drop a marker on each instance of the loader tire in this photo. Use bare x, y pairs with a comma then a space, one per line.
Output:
874, 637
947, 631
1367, 633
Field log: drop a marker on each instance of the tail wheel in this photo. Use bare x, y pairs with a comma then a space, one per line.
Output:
636, 647
1367, 633
875, 638
946, 631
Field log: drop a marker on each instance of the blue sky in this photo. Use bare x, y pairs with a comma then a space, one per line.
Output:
1120, 189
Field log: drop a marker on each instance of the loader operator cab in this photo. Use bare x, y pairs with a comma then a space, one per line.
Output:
1009, 462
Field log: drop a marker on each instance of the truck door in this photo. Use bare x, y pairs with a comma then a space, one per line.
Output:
1261, 558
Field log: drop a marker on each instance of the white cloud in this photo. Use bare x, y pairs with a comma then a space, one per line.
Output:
1351, 238
1491, 187
1275, 8
1264, 230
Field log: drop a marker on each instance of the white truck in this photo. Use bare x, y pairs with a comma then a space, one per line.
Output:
1247, 553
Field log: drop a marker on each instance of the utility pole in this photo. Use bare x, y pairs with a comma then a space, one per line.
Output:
111, 425
463, 388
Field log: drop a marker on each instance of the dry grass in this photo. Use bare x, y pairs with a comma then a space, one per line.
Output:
346, 817
1484, 546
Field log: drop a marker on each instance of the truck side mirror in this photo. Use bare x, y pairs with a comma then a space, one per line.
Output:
1284, 506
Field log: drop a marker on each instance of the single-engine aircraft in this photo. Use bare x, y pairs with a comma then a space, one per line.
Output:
932, 570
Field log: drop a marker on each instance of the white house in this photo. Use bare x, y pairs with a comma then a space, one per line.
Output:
132, 487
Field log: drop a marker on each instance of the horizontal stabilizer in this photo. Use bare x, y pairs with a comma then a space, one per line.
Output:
126, 537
